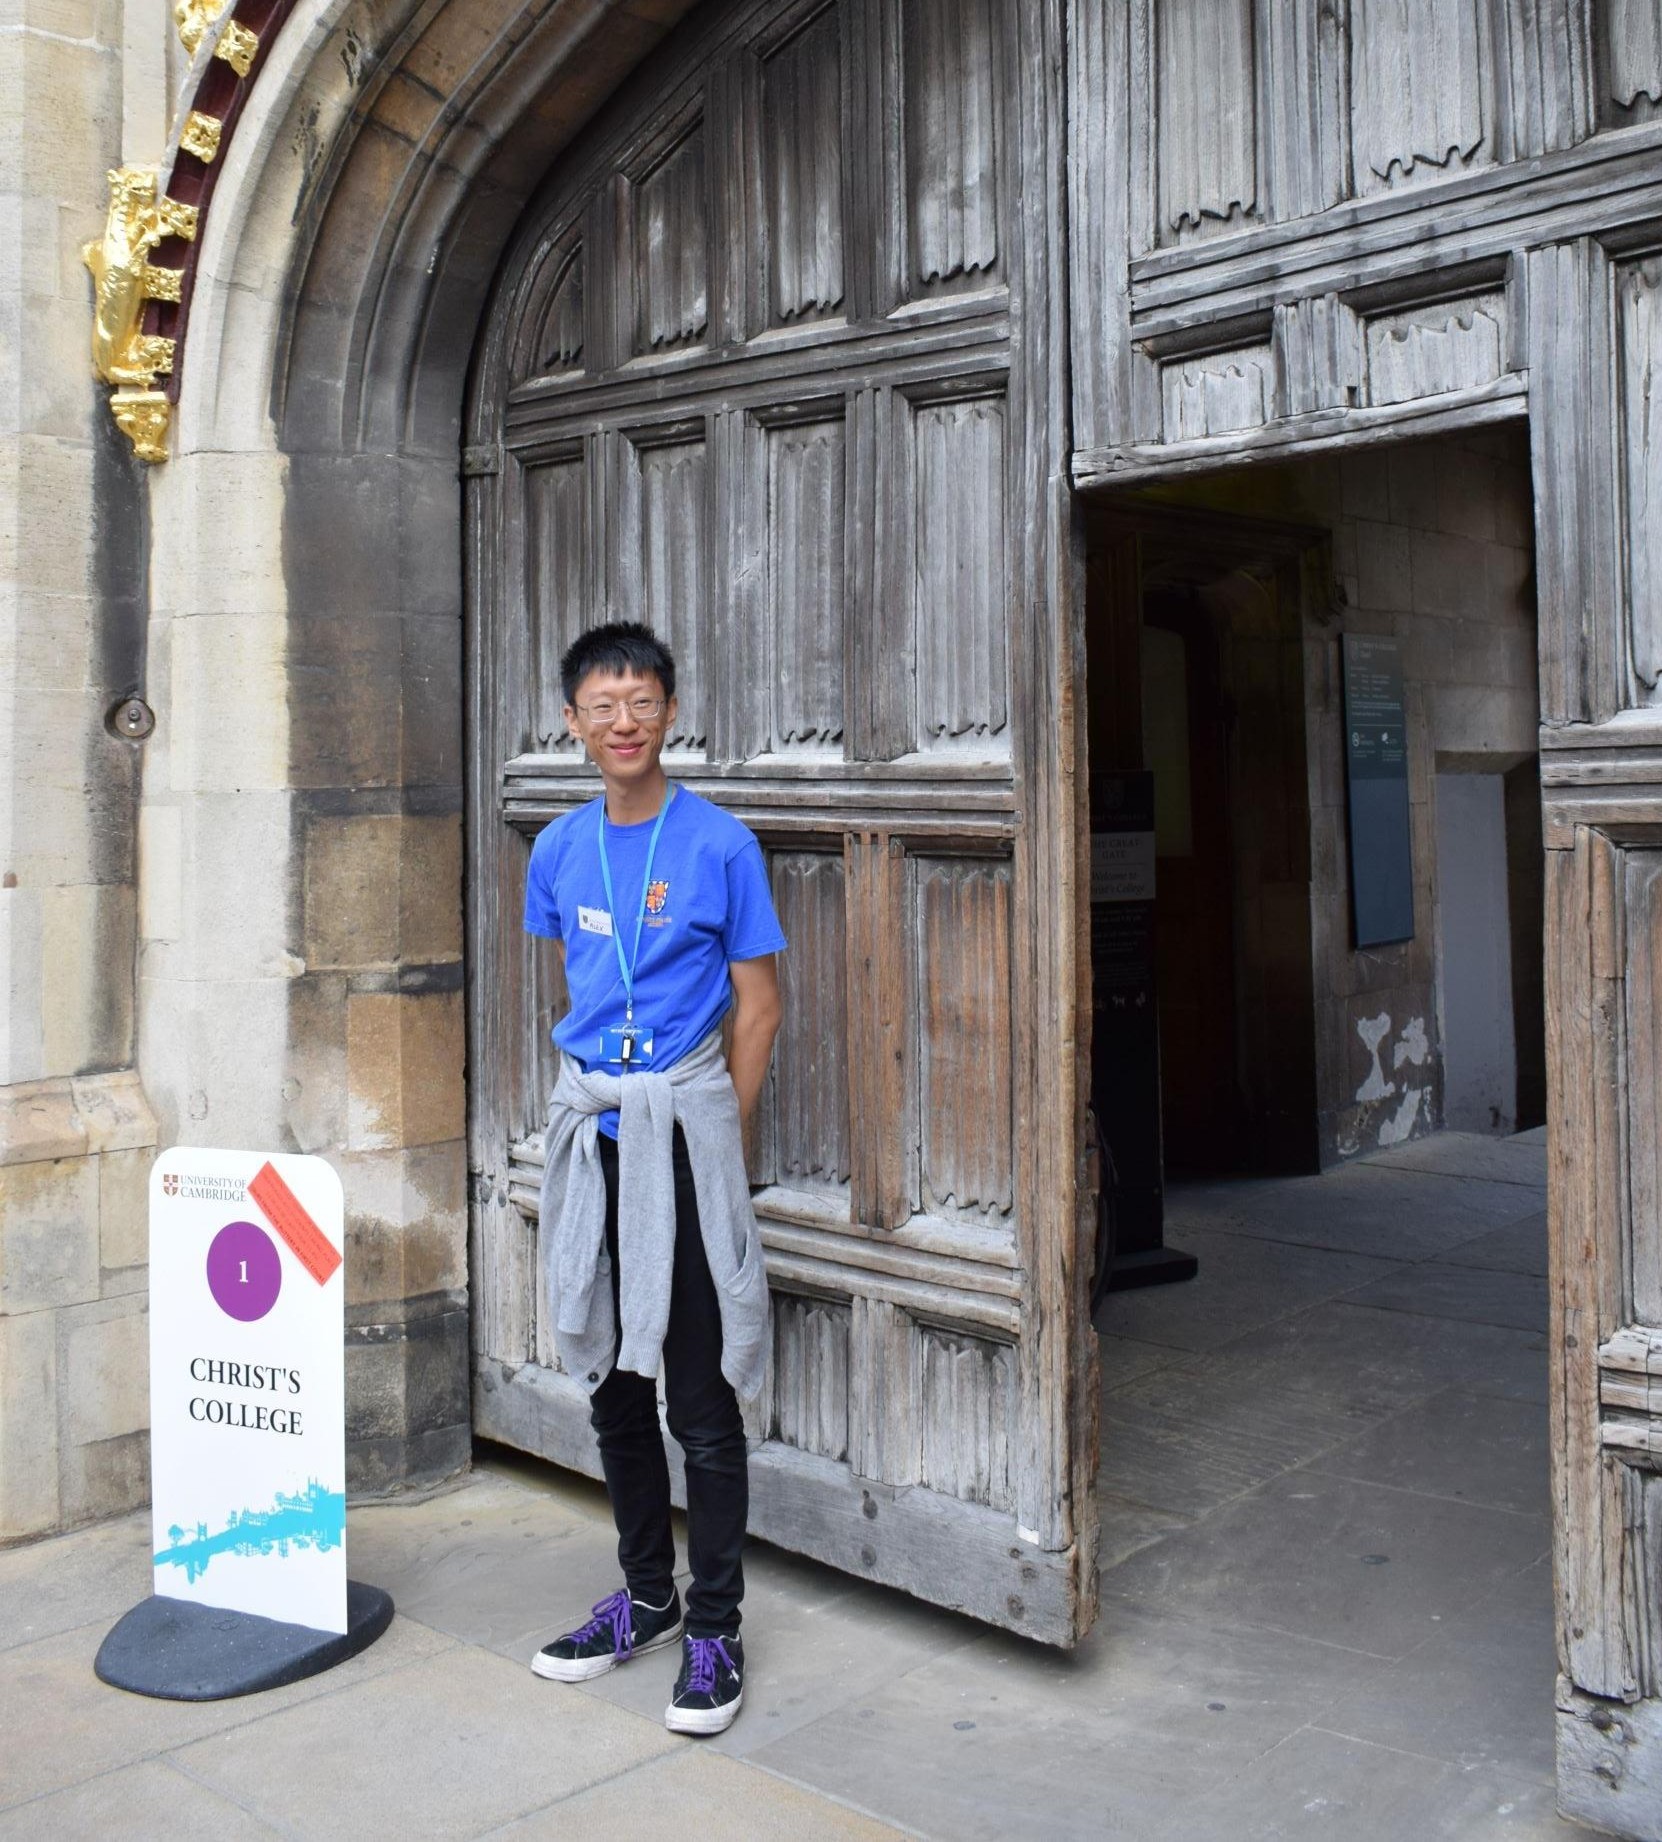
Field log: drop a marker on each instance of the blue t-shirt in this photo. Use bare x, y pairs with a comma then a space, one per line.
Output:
709, 903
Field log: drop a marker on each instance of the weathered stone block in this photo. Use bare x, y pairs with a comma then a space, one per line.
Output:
1384, 577
161, 907
431, 667
347, 701
1365, 486
406, 1221
124, 1218
315, 1092
104, 1371
430, 889
87, 942
353, 895
55, 542
404, 1068
228, 706
1415, 486
48, 1234
1449, 575
407, 1393
22, 1026
236, 502
28, 1424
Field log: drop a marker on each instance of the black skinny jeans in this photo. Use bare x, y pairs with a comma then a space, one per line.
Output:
704, 1418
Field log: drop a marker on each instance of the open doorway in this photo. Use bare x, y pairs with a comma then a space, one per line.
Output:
1227, 619
1197, 684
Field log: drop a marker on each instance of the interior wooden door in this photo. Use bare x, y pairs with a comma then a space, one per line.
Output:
775, 364
1187, 747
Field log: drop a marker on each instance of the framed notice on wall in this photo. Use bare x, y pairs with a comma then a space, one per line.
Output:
1376, 770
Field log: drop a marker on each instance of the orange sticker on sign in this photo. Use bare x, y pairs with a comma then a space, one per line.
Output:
286, 1213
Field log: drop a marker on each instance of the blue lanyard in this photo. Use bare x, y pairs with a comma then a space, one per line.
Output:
626, 967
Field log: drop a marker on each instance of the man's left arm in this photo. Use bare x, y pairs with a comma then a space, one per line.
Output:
756, 1013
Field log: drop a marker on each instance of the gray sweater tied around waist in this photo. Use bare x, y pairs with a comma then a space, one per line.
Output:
696, 1093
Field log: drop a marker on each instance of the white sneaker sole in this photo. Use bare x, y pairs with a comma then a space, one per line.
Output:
585, 1669
703, 1720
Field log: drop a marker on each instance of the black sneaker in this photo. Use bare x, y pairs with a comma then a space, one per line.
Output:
710, 1687
617, 1629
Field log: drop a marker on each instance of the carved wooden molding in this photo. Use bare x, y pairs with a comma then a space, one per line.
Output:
1630, 1395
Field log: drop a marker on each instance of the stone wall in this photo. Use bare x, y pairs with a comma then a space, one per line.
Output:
75, 1129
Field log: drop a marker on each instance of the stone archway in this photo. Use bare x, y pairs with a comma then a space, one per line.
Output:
300, 963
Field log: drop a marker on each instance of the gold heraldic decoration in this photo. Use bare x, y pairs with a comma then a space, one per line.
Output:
124, 282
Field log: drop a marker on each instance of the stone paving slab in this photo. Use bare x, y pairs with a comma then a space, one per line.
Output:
1179, 1441
1243, 1284
449, 1746
1472, 1448
152, 1799
99, 1572
1377, 1358
1293, 1556
1322, 1785
1006, 1739
1474, 1694
694, 1792
1361, 1208
1474, 1295
1471, 1154
61, 1725
492, 1566
1514, 1247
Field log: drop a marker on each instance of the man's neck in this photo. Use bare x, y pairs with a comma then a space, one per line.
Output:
638, 801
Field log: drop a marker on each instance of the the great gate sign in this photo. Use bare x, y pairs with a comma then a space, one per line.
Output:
248, 1449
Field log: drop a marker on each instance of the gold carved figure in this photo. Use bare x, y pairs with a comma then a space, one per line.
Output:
124, 278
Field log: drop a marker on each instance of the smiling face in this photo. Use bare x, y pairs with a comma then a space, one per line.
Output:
627, 748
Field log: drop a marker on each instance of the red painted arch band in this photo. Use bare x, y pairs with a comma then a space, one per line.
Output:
284, 1210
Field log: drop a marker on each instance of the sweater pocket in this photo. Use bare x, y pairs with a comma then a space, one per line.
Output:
747, 1280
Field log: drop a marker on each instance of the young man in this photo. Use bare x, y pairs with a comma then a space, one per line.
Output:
650, 1250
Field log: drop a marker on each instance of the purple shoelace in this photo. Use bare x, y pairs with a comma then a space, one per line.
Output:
614, 1616
701, 1670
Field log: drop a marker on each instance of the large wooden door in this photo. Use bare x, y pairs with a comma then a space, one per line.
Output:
774, 364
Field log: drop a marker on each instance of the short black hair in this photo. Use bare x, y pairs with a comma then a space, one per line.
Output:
620, 646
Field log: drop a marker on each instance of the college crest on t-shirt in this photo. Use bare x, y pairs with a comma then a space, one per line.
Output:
657, 894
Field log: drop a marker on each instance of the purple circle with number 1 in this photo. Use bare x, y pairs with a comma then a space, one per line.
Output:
245, 1271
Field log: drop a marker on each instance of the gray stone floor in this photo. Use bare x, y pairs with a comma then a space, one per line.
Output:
1326, 1601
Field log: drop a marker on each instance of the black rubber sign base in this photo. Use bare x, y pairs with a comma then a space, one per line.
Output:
180, 1651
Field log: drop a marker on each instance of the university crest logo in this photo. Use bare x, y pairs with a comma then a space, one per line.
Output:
657, 894
170, 1184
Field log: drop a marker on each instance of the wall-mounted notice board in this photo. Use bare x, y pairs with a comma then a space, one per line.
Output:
1376, 763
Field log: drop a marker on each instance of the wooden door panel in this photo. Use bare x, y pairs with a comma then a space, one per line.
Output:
962, 931
753, 378
960, 573
810, 1061
557, 564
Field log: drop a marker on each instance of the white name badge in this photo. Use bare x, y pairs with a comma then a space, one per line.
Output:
594, 921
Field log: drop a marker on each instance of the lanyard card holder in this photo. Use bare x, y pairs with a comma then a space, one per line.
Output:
627, 1045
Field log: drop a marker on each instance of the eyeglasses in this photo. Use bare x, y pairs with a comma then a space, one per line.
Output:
604, 712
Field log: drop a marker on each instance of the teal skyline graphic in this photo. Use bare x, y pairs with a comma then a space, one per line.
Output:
316, 1518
